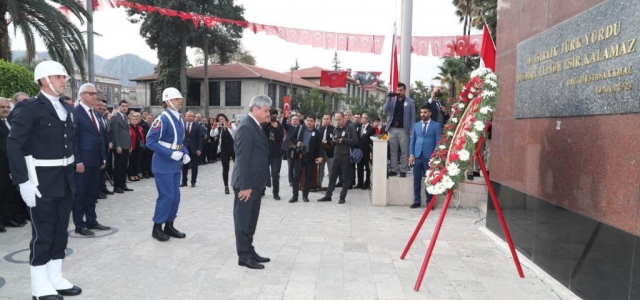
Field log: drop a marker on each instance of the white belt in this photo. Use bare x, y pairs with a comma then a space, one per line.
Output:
170, 146
54, 162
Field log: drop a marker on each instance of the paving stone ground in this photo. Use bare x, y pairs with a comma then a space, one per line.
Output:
317, 250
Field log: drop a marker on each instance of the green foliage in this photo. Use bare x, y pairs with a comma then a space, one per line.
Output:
420, 93
242, 55
15, 78
63, 39
311, 103
486, 10
454, 72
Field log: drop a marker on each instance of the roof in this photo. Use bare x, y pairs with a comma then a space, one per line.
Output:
313, 72
242, 71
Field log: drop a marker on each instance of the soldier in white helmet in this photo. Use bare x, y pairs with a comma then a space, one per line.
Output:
40, 151
165, 139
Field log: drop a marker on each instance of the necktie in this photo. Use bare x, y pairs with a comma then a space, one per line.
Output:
6, 124
188, 128
93, 121
324, 136
424, 128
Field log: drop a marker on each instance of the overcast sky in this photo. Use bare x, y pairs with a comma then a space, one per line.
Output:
375, 17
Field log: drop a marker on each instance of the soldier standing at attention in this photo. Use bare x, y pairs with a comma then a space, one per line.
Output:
165, 139
40, 151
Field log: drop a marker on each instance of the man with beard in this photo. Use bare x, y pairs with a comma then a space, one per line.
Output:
275, 135
309, 153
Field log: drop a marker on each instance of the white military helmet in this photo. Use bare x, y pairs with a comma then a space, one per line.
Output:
49, 68
171, 93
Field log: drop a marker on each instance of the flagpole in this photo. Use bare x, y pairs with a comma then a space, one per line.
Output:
90, 62
405, 62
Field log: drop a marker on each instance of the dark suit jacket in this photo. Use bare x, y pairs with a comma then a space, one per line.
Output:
121, 137
107, 130
330, 130
37, 130
315, 143
251, 170
88, 144
364, 138
435, 109
193, 139
4, 160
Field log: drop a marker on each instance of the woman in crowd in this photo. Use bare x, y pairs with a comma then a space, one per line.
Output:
137, 146
212, 155
225, 132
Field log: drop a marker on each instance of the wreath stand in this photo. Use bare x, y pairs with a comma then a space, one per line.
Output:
434, 238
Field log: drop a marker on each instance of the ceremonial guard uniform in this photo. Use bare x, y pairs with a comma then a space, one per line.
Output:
165, 139
40, 151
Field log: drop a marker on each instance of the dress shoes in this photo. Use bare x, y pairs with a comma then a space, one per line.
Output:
226, 190
126, 189
118, 190
403, 175
74, 291
13, 223
84, 231
359, 186
193, 185
414, 205
172, 232
107, 192
158, 234
276, 197
145, 176
102, 196
366, 187
392, 173
341, 201
98, 226
305, 199
260, 259
324, 199
293, 200
48, 297
250, 263
183, 184
2, 229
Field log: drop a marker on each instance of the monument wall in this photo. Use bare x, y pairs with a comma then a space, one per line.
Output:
565, 148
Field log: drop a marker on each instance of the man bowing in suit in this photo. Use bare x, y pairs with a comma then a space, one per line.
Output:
90, 157
425, 137
193, 141
250, 176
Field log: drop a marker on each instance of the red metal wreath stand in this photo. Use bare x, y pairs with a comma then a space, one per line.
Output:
434, 238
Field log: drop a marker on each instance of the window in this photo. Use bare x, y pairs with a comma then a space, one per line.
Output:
233, 93
283, 92
214, 93
154, 101
193, 97
272, 91
366, 97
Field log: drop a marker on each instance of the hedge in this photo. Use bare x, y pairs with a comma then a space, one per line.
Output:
15, 78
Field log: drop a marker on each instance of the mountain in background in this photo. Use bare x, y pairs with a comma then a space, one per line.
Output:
123, 67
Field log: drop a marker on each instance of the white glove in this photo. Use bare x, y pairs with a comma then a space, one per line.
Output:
186, 159
176, 155
29, 192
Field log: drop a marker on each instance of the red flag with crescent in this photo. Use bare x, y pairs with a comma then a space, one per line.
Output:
333, 79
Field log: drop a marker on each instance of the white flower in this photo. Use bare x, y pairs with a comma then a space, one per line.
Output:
491, 83
431, 190
450, 133
488, 94
485, 110
480, 72
437, 162
453, 110
461, 105
447, 182
470, 96
473, 90
453, 169
473, 136
491, 76
464, 155
478, 125
439, 188
454, 120
442, 147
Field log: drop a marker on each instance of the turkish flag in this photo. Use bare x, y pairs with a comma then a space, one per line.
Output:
366, 43
333, 79
282, 33
462, 45
342, 40
378, 42
354, 43
150, 8
475, 44
304, 37
256, 27
449, 46
317, 39
488, 53
185, 16
209, 21
271, 30
287, 105
422, 45
330, 40
292, 35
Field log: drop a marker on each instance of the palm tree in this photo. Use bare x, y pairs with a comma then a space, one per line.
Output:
62, 38
485, 10
453, 71
464, 10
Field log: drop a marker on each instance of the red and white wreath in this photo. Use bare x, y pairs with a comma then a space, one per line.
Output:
460, 136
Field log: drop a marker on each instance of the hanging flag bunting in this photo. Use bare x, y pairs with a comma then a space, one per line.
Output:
367, 80
333, 79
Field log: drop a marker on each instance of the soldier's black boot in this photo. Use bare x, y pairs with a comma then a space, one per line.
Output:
172, 232
158, 234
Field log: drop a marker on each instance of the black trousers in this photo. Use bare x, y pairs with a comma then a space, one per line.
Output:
344, 168
145, 163
205, 149
363, 167
213, 151
135, 160
84, 207
49, 222
193, 165
245, 221
120, 163
275, 164
226, 157
308, 166
290, 163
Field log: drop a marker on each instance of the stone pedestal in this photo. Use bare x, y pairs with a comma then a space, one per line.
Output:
379, 173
